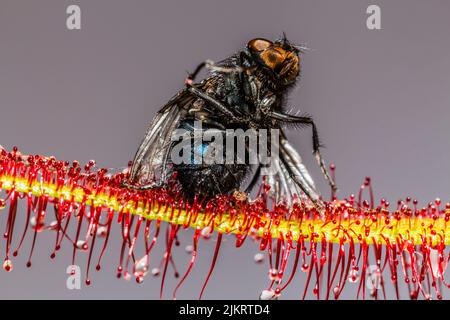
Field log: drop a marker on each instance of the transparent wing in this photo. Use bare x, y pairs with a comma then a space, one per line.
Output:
298, 178
288, 177
149, 164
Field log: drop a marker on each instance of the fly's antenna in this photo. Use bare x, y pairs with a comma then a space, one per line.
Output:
302, 48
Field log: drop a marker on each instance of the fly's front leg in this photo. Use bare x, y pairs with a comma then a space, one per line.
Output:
232, 113
324, 170
264, 106
210, 65
308, 121
191, 76
319, 159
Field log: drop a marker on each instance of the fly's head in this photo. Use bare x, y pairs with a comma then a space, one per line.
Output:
280, 59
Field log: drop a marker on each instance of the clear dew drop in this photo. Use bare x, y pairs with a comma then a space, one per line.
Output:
82, 245
354, 276
189, 248
206, 232
336, 290
259, 257
155, 272
101, 231
7, 265
273, 274
268, 295
35, 225
141, 267
53, 225
126, 276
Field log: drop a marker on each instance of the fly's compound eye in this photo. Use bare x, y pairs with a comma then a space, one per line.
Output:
272, 58
259, 44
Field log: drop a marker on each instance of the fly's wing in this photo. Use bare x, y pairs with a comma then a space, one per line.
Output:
288, 177
149, 164
298, 178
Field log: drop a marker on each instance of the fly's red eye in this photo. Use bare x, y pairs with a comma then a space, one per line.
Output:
259, 44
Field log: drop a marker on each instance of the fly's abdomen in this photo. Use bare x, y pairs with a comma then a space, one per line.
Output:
199, 159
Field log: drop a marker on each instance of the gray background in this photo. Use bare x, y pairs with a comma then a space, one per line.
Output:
381, 100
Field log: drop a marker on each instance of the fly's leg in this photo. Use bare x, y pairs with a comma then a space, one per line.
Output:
232, 114
210, 65
308, 121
